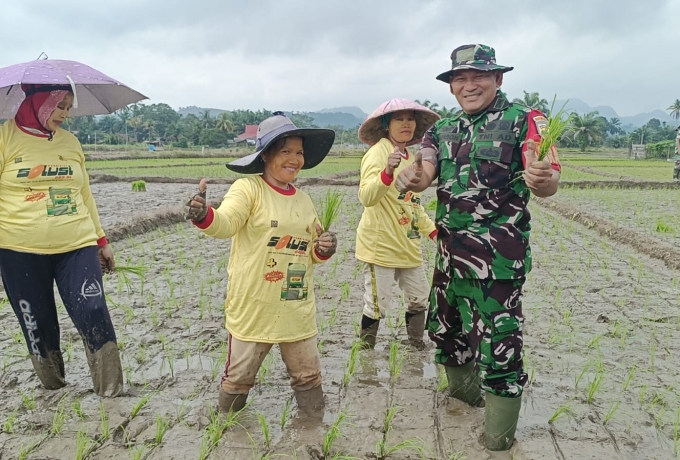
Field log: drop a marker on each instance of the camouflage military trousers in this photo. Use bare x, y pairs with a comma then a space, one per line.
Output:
481, 320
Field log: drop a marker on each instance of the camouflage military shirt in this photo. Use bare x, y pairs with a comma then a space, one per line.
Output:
482, 214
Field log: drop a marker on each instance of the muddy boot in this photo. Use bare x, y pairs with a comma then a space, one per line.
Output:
415, 326
311, 402
369, 332
500, 421
231, 403
464, 384
106, 370
50, 370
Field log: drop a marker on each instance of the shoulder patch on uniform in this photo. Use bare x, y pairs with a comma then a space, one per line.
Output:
541, 123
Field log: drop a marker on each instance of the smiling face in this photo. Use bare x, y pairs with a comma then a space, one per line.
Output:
283, 161
475, 89
60, 113
402, 126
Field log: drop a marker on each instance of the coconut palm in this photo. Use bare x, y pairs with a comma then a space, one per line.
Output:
675, 109
586, 129
206, 119
224, 123
534, 101
614, 126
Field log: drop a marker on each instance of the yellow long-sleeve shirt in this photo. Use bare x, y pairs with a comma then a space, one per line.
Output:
270, 290
46, 205
392, 223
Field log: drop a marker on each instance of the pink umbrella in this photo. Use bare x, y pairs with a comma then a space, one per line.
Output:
371, 130
96, 93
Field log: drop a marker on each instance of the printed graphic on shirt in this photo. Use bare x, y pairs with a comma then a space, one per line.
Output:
60, 203
297, 245
35, 197
45, 172
414, 201
273, 276
295, 285
541, 124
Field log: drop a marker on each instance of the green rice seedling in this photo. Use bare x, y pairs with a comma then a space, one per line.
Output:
563, 409
593, 386
171, 363
333, 433
352, 361
265, 370
82, 444
8, 424
662, 227
69, 349
286, 412
77, 410
611, 412
58, 420
397, 360
676, 432
456, 454
138, 186
138, 452
162, 425
265, 430
28, 400
140, 404
417, 445
344, 291
163, 339
580, 376
26, 449
104, 422
330, 208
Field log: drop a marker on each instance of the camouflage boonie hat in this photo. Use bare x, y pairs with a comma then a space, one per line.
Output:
478, 57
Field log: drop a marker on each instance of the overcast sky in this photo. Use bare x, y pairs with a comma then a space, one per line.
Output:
312, 54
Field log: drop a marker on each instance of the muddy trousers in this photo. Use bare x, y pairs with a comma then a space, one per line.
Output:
379, 284
29, 282
481, 320
245, 359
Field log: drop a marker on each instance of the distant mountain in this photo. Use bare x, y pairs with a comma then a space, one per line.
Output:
346, 120
628, 123
580, 107
356, 111
642, 118
193, 110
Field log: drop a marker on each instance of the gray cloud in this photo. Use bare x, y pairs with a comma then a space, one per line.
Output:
304, 55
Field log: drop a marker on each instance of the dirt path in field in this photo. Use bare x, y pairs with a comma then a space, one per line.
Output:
595, 311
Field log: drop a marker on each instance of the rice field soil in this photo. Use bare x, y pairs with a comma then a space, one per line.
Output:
649, 170
602, 336
654, 213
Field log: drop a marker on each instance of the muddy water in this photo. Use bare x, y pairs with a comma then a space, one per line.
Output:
595, 312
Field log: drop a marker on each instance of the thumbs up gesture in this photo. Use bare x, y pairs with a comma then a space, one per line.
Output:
410, 177
197, 206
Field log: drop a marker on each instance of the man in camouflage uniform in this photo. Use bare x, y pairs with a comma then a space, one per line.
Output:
485, 159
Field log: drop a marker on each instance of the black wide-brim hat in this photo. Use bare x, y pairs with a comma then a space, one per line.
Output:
317, 142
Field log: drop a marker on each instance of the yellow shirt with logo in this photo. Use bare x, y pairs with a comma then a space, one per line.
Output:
270, 289
393, 223
46, 206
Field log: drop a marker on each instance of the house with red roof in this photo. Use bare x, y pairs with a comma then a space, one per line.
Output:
249, 135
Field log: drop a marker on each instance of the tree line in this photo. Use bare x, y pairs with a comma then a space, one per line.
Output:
140, 123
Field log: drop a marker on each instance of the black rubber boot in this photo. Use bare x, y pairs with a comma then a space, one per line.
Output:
311, 402
369, 332
464, 384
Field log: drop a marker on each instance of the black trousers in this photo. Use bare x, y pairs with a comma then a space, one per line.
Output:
29, 282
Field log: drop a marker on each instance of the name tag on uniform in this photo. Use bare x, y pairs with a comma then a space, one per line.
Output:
496, 136
449, 134
489, 153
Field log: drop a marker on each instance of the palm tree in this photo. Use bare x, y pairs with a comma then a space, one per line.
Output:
675, 109
586, 129
614, 126
534, 101
136, 123
206, 119
224, 123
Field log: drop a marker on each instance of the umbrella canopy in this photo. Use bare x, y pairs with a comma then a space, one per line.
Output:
96, 93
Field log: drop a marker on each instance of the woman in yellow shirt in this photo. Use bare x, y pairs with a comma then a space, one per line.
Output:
50, 231
277, 240
390, 229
